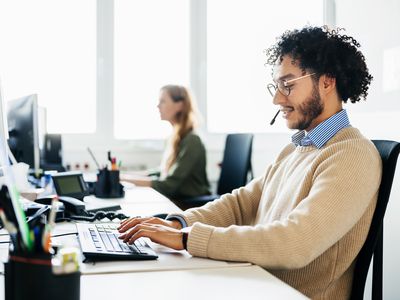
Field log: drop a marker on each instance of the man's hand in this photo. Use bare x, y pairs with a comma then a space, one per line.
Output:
161, 231
132, 222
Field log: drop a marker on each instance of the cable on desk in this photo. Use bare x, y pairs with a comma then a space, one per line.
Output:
53, 236
91, 217
99, 215
63, 234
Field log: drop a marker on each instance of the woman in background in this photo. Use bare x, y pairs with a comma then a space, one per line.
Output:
183, 167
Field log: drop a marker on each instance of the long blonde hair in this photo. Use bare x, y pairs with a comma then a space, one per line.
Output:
185, 120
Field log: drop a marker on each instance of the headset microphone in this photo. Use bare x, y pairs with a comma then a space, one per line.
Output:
273, 120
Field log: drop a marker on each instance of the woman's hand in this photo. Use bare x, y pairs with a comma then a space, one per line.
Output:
136, 179
163, 232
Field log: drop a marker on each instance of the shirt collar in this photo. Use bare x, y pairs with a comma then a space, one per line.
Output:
321, 134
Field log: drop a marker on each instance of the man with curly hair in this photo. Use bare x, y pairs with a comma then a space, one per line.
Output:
306, 218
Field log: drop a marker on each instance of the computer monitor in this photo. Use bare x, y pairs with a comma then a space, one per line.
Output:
23, 131
42, 126
3, 133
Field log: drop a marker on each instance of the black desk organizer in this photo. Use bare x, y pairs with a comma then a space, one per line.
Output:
31, 277
108, 185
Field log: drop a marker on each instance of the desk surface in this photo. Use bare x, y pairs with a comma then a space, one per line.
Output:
175, 273
141, 201
250, 282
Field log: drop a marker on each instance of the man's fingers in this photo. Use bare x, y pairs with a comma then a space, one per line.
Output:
154, 220
142, 232
129, 223
125, 225
159, 233
127, 236
123, 222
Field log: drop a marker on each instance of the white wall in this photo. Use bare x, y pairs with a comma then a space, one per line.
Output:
376, 25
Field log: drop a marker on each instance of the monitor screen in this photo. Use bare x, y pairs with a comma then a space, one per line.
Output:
69, 184
23, 131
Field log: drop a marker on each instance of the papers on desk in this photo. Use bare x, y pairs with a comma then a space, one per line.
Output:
167, 260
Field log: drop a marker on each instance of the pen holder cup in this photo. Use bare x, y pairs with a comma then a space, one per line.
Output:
32, 278
108, 185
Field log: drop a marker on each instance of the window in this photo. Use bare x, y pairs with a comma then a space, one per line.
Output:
44, 52
49, 48
151, 40
237, 78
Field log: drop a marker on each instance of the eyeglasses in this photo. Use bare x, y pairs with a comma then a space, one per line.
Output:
283, 87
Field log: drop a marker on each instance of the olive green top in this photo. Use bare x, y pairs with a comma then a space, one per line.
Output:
187, 177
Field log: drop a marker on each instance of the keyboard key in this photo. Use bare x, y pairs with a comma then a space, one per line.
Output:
126, 248
113, 227
115, 243
141, 242
99, 228
106, 241
98, 245
134, 248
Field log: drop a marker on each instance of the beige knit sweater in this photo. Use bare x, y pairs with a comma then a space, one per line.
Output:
304, 221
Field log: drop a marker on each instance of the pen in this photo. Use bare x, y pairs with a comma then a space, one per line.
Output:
46, 238
114, 164
12, 230
53, 211
7, 224
37, 238
20, 214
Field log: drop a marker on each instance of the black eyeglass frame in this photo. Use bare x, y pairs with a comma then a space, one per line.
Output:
282, 86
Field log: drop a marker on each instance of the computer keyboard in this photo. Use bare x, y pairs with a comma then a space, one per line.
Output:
100, 242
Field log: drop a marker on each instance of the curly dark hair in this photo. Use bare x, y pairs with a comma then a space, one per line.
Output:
324, 51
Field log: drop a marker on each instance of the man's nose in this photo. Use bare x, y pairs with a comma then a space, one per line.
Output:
278, 98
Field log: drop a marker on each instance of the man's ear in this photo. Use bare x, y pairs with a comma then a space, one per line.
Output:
328, 84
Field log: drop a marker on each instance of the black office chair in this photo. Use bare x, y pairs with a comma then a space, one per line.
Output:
235, 169
51, 157
373, 245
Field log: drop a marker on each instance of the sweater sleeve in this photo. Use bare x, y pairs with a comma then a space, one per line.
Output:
345, 184
239, 207
191, 149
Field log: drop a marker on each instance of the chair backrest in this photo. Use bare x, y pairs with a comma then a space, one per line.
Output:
52, 148
236, 163
373, 246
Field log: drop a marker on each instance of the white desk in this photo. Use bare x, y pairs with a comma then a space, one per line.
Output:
175, 273
250, 282
141, 201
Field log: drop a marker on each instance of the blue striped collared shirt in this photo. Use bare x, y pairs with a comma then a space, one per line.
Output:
321, 134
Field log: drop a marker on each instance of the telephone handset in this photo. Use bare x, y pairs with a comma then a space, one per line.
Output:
72, 206
74, 209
